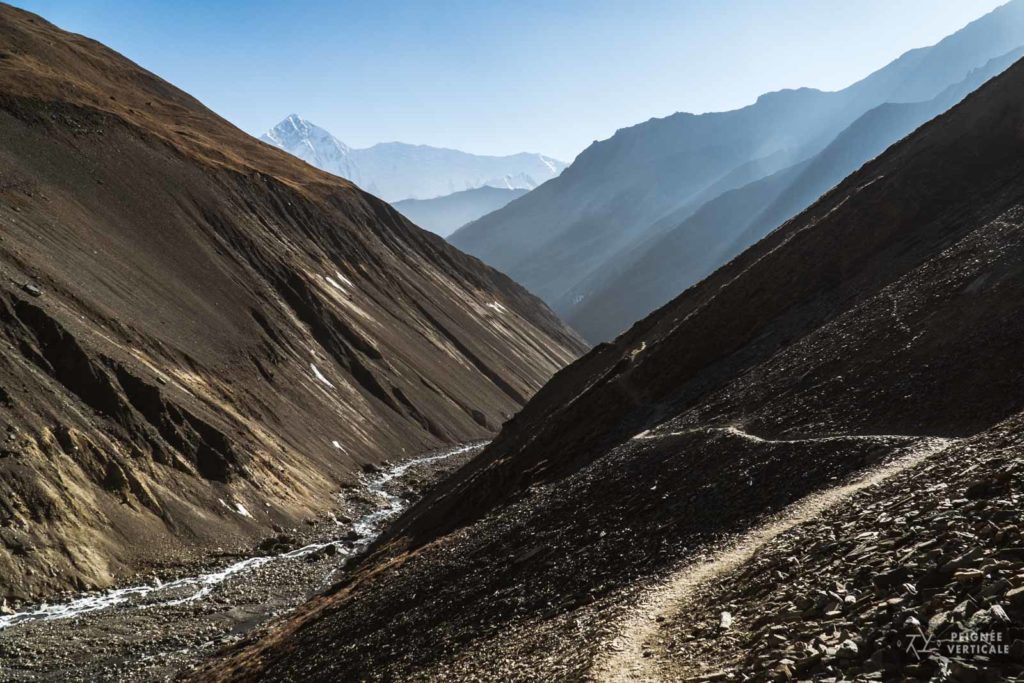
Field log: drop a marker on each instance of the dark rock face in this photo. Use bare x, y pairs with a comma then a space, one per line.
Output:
190, 317
889, 311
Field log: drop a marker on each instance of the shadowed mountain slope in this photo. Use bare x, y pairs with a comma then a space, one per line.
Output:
877, 323
204, 337
634, 283
444, 215
571, 239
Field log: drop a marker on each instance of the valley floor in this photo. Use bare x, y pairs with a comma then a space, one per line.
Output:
152, 631
868, 578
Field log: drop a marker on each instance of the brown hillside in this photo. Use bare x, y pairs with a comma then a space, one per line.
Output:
194, 323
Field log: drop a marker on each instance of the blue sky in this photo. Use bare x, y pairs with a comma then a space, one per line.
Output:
498, 77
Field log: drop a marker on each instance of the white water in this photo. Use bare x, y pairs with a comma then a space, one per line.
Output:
195, 588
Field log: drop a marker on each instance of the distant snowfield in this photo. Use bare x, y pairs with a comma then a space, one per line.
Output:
395, 171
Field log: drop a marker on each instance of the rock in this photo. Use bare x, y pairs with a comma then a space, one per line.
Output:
5, 608
997, 588
847, 649
32, 289
893, 578
1011, 554
959, 612
938, 621
1016, 597
782, 672
277, 544
968, 575
965, 673
370, 468
999, 615
981, 619
725, 621
962, 562
316, 556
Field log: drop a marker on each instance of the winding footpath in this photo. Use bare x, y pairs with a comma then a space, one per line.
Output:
627, 656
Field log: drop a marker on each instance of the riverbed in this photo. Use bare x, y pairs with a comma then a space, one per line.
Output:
150, 631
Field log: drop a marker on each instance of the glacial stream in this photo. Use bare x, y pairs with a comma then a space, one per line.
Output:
193, 589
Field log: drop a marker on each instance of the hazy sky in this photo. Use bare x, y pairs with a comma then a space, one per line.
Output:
498, 77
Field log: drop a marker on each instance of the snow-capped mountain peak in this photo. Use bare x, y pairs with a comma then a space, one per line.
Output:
396, 171
309, 142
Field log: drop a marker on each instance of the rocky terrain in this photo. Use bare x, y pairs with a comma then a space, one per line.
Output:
152, 631
202, 336
809, 379
920, 576
640, 217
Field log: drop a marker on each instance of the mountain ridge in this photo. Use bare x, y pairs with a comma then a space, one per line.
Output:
444, 215
618, 190
398, 171
670, 260
204, 337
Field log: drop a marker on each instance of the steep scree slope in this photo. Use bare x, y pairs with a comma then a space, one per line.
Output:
886, 315
895, 583
203, 336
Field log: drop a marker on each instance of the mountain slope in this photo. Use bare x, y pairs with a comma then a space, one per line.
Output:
205, 337
884, 317
615, 193
444, 215
395, 171
634, 283
906, 612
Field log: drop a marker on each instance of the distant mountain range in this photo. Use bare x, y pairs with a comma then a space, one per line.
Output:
638, 218
444, 215
395, 171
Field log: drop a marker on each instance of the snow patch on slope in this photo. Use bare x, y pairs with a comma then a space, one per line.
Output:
319, 375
